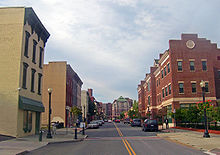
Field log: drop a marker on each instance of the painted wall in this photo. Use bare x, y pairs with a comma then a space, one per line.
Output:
11, 31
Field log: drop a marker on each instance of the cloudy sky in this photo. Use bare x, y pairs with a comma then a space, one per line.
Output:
111, 44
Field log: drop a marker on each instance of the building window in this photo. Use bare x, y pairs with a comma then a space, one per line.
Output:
204, 65
148, 100
32, 79
166, 91
169, 89
206, 87
180, 67
24, 81
165, 71
163, 93
219, 74
162, 74
192, 65
27, 36
148, 86
181, 90
39, 83
193, 87
40, 57
27, 121
168, 68
34, 51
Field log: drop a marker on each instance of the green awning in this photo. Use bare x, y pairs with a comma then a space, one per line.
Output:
30, 104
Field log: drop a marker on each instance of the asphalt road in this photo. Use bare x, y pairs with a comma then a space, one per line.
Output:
118, 139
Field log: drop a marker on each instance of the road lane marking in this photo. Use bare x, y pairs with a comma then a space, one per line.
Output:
126, 143
126, 147
130, 147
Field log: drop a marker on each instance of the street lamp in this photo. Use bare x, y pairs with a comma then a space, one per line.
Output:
49, 132
174, 112
206, 133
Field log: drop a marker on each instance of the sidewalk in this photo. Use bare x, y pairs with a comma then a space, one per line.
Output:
193, 139
29, 143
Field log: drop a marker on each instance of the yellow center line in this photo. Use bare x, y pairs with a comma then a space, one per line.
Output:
127, 145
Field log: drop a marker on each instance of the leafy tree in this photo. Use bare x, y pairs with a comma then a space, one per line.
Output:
92, 107
76, 111
122, 115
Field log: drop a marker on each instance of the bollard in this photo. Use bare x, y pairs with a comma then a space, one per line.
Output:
83, 131
75, 133
40, 136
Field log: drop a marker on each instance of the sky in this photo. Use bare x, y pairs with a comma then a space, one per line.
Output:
111, 44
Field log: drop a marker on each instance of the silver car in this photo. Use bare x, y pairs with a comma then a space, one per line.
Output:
93, 125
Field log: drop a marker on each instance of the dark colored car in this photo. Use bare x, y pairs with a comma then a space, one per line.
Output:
117, 121
127, 121
150, 124
136, 122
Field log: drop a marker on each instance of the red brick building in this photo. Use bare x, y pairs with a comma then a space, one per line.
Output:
175, 78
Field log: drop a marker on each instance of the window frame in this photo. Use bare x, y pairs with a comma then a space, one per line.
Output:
192, 68
168, 68
181, 92
193, 88
24, 77
178, 67
26, 45
204, 68
34, 51
33, 71
169, 89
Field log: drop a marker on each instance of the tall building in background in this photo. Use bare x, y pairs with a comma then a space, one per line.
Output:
174, 81
66, 86
107, 110
120, 105
22, 41
85, 104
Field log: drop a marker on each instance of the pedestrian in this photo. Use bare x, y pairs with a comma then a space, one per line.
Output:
167, 124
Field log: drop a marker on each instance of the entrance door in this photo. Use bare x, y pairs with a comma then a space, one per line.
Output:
37, 124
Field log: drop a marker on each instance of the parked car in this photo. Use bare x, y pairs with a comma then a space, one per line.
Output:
117, 121
105, 120
136, 122
127, 121
110, 121
150, 124
93, 125
99, 122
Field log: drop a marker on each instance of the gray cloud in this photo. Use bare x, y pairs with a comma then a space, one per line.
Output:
111, 44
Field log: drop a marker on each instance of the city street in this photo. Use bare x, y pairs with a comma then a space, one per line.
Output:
118, 139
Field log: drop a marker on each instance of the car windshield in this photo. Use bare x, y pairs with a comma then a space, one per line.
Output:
152, 121
137, 120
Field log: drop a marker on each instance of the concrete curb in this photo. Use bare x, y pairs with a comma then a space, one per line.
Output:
59, 142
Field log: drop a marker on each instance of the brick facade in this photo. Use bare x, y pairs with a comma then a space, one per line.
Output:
175, 77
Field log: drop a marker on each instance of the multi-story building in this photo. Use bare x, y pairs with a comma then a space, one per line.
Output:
178, 74
119, 105
66, 86
22, 41
107, 110
85, 104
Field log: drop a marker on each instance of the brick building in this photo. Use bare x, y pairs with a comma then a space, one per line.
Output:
176, 76
66, 86
120, 105
107, 110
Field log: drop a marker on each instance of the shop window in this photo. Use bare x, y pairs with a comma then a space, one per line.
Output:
27, 121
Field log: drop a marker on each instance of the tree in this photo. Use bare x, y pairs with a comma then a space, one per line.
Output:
122, 115
134, 113
92, 107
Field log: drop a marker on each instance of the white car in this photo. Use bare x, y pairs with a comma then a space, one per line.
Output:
93, 125
109, 120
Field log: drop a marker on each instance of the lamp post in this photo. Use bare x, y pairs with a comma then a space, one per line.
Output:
174, 112
49, 131
206, 133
